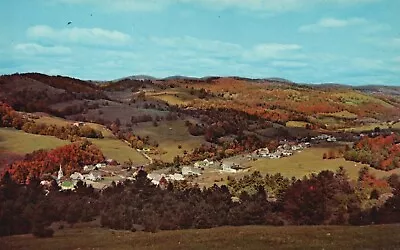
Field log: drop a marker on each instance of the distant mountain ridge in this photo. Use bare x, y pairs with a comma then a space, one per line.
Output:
383, 89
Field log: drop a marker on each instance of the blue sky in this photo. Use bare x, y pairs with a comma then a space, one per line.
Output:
343, 41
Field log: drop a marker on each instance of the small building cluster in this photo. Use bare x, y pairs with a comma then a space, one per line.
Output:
324, 137
284, 150
90, 173
190, 171
163, 179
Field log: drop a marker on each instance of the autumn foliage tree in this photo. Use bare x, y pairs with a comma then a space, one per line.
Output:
381, 152
71, 157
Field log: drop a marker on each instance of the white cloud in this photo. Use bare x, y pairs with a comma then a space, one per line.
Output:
273, 51
332, 23
78, 35
36, 49
254, 5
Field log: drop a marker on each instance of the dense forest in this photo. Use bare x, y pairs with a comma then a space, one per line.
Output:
326, 198
381, 152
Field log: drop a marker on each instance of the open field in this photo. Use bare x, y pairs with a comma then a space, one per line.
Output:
368, 127
50, 120
169, 134
173, 97
307, 162
343, 114
110, 146
22, 143
355, 98
296, 124
298, 165
247, 237
118, 150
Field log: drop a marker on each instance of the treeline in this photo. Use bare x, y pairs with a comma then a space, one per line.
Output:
43, 163
30, 209
69, 132
326, 198
10, 118
381, 152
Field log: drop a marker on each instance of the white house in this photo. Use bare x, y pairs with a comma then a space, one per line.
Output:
187, 170
226, 167
287, 153
155, 178
100, 165
204, 163
175, 177
93, 176
77, 176
88, 168
45, 183
331, 139
274, 156
78, 124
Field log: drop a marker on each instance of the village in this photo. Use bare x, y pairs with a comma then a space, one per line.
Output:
103, 174
233, 164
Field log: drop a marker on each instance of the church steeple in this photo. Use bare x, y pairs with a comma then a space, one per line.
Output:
60, 174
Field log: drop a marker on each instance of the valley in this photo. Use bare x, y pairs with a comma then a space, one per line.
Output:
248, 151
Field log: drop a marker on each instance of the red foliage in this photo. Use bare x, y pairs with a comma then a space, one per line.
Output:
71, 157
9, 117
381, 152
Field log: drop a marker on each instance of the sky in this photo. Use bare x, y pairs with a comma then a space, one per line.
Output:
308, 41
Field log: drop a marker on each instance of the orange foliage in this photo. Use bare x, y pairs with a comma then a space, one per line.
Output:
71, 157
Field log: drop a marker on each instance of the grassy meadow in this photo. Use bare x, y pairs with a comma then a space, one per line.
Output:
247, 237
296, 124
341, 115
118, 150
169, 134
50, 120
307, 162
110, 146
19, 142
173, 97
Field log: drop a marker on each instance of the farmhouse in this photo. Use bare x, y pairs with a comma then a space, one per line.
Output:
187, 171
100, 165
230, 167
78, 124
93, 176
88, 168
205, 163
155, 178
175, 177
262, 152
77, 176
